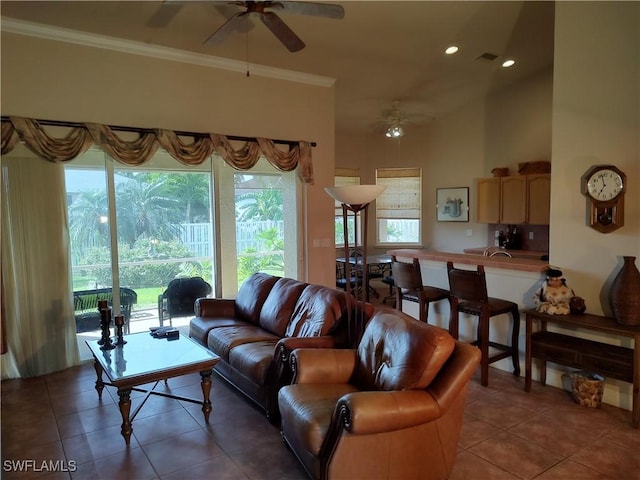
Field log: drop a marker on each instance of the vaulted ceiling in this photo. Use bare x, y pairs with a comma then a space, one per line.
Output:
380, 52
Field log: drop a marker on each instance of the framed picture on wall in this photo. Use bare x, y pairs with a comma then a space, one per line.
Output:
452, 204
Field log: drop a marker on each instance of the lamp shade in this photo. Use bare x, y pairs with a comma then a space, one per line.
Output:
355, 194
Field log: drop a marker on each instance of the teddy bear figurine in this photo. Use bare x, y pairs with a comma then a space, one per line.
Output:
554, 296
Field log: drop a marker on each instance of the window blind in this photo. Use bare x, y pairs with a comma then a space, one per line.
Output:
402, 197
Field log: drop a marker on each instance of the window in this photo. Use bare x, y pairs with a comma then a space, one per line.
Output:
344, 177
259, 224
399, 208
140, 227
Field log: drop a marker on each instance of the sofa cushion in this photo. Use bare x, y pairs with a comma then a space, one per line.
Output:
319, 311
252, 295
221, 340
397, 352
199, 327
278, 307
308, 408
253, 360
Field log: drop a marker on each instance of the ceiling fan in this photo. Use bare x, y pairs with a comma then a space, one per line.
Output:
393, 120
264, 9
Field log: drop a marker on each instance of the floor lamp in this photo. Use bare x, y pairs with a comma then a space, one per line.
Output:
356, 199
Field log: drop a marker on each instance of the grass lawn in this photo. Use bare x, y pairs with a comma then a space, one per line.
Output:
148, 297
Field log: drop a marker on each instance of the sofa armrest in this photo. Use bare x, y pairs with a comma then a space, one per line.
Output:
288, 344
281, 371
367, 413
323, 365
215, 307
455, 374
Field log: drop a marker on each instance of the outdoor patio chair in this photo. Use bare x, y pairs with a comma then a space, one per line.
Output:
178, 299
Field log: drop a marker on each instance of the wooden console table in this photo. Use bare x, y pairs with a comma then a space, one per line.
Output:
614, 361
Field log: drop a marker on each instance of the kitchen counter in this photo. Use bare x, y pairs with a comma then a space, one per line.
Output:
525, 264
514, 253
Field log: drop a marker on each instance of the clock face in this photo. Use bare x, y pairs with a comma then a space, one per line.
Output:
604, 185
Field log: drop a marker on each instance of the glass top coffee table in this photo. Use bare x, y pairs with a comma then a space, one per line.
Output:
144, 359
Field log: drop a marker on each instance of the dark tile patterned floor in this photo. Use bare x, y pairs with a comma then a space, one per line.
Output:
507, 434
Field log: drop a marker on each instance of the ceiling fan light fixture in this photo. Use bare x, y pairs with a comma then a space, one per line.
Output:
451, 50
394, 131
508, 63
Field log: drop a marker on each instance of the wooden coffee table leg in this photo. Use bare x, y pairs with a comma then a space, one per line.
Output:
125, 408
99, 382
206, 391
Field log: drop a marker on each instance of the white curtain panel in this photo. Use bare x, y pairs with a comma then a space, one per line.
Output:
39, 313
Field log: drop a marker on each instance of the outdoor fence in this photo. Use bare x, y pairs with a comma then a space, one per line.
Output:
196, 236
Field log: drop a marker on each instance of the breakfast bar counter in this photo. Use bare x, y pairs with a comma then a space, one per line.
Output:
499, 261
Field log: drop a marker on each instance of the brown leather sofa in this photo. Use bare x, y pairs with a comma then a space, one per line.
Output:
255, 333
393, 408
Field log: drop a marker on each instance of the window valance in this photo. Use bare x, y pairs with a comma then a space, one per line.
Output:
138, 151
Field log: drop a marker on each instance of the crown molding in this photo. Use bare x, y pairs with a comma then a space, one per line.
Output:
20, 27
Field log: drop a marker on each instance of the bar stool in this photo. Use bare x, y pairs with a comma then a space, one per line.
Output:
469, 295
407, 278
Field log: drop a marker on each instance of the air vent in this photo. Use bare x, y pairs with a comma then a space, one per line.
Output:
487, 57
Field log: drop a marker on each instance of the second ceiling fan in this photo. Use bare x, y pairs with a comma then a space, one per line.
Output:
266, 10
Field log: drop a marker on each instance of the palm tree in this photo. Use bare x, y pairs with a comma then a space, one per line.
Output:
145, 209
192, 192
259, 205
88, 215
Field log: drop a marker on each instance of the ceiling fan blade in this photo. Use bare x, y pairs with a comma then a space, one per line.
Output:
164, 14
326, 10
231, 25
280, 29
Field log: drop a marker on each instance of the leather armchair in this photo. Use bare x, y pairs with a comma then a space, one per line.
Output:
393, 408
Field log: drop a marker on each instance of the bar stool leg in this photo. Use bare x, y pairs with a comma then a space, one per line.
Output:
515, 333
453, 317
424, 310
483, 343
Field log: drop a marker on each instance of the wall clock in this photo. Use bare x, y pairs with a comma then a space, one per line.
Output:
604, 186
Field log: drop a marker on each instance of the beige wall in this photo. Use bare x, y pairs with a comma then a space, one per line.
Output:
596, 112
62, 81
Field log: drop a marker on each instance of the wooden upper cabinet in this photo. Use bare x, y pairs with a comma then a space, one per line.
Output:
489, 200
514, 200
539, 199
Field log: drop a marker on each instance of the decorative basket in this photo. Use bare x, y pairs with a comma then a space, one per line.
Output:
587, 388
530, 168
500, 172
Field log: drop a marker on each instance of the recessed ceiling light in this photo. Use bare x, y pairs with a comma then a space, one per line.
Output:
508, 63
451, 50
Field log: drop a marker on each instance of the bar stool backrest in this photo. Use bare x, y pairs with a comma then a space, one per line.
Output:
469, 285
406, 276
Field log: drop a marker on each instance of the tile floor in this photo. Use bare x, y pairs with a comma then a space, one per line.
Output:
507, 434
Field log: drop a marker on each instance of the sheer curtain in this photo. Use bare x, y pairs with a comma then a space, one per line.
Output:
39, 314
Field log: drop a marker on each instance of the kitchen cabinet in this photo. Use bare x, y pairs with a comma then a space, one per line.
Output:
489, 200
514, 200
538, 199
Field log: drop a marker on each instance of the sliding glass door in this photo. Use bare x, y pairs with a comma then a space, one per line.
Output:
134, 229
